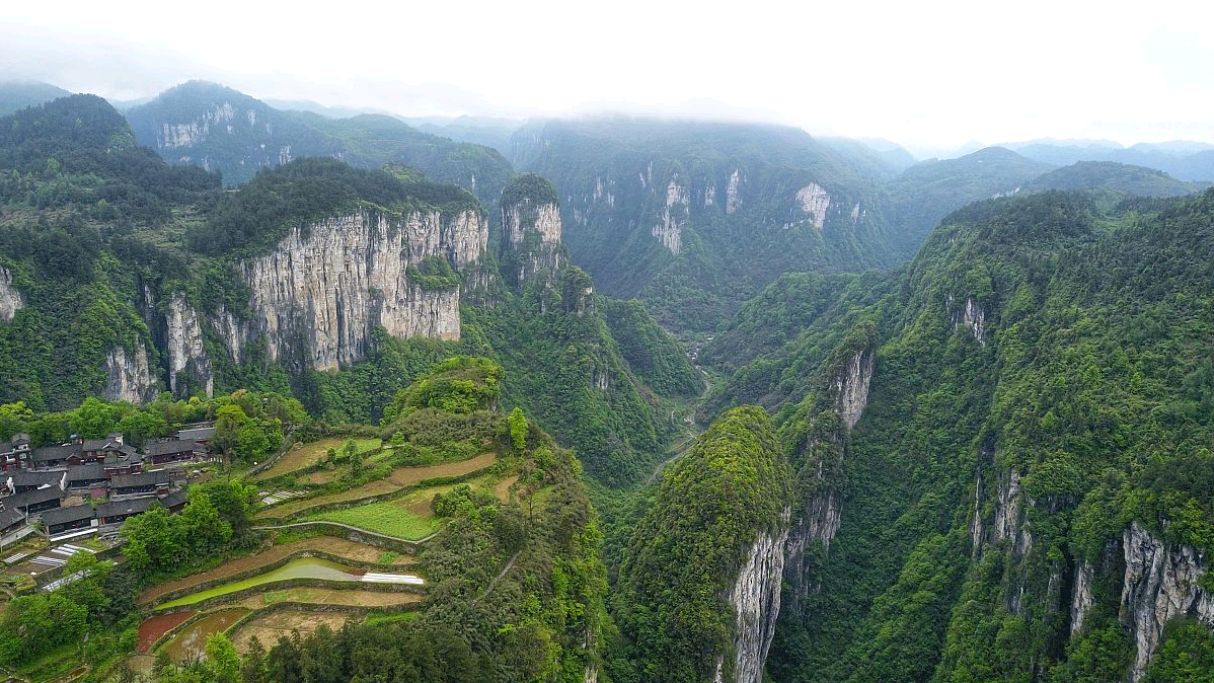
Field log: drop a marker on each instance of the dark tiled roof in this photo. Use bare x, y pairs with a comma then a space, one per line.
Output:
20, 500
168, 447
196, 433
124, 507
28, 478
123, 481
10, 517
86, 472
54, 452
74, 513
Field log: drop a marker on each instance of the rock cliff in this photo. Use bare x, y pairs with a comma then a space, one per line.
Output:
821, 511
531, 227
10, 299
1161, 583
674, 217
129, 375
755, 597
318, 297
189, 367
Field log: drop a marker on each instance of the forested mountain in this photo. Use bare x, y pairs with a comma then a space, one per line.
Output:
1002, 450
223, 130
122, 276
695, 217
16, 95
1114, 177
927, 192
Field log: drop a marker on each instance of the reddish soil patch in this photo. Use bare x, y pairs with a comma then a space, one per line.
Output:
152, 628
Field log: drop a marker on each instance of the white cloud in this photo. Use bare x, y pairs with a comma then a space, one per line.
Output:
926, 73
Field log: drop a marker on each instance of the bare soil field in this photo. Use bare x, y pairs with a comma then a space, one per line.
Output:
331, 596
268, 628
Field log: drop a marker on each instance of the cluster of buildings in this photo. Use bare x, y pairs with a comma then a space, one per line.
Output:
89, 484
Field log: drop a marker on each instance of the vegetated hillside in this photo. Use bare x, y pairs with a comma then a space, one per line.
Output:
1025, 493
505, 581
927, 192
16, 95
700, 560
224, 130
695, 217
1107, 175
122, 276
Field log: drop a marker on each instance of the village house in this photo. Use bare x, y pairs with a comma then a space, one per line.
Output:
91, 478
162, 452
35, 501
60, 520
10, 521
15, 454
199, 432
21, 481
141, 485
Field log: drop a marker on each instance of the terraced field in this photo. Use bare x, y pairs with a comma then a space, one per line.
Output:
312, 595
340, 547
299, 568
310, 454
268, 628
190, 643
398, 479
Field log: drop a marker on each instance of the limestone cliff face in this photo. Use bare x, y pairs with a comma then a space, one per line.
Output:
814, 202
674, 217
851, 387
11, 300
318, 297
972, 316
733, 192
821, 512
1161, 583
129, 376
189, 367
532, 244
755, 597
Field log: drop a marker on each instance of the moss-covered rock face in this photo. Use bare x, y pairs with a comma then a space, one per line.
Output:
699, 588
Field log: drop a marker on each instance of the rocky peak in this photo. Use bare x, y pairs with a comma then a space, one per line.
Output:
11, 300
531, 224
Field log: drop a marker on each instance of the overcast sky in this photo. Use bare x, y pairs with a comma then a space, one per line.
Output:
925, 74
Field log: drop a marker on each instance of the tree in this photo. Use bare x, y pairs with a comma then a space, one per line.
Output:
355, 458
223, 662
14, 417
229, 420
518, 429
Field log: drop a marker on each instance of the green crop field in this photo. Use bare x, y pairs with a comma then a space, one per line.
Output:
385, 517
